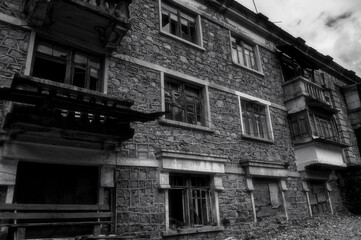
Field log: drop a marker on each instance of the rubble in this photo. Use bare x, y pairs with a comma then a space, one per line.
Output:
343, 226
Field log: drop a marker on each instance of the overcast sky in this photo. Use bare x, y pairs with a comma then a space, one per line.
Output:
332, 27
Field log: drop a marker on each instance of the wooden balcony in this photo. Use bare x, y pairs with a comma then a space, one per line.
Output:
301, 92
42, 105
69, 20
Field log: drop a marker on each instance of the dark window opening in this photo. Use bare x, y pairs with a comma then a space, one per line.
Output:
254, 119
39, 183
190, 201
183, 102
67, 65
179, 23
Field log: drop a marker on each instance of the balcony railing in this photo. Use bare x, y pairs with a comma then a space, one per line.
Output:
302, 86
31, 215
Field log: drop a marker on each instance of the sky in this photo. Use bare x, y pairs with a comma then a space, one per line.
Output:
332, 27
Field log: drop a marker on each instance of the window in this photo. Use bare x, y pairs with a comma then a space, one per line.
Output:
179, 23
321, 126
267, 197
245, 54
183, 102
255, 120
318, 197
299, 125
190, 201
67, 65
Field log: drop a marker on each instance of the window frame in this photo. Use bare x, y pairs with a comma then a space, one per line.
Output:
244, 41
316, 126
267, 115
189, 201
69, 63
193, 83
187, 11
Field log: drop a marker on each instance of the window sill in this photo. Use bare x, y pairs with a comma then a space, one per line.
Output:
257, 138
248, 69
182, 40
184, 231
173, 123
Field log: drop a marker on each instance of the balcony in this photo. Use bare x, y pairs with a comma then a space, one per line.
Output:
318, 155
69, 20
308, 126
42, 107
301, 93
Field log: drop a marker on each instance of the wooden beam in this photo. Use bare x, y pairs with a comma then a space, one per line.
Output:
68, 215
53, 207
53, 224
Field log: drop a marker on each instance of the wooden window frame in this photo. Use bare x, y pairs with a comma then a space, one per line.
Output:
245, 54
197, 103
70, 64
185, 14
190, 201
262, 130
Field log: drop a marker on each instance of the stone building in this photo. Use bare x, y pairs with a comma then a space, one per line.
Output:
185, 119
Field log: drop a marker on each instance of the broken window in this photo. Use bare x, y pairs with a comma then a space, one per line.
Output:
305, 124
179, 23
267, 197
183, 102
318, 197
67, 65
244, 53
255, 122
190, 201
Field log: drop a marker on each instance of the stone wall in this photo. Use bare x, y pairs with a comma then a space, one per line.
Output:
139, 203
13, 52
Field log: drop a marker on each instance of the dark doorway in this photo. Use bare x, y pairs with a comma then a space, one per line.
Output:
56, 184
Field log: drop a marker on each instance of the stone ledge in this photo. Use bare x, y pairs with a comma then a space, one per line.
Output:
171, 233
173, 123
182, 40
246, 136
259, 73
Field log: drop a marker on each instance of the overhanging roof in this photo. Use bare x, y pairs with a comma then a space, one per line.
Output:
300, 57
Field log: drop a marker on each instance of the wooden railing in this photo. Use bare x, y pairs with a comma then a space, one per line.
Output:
23, 215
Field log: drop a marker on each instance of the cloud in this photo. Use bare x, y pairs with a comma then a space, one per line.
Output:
332, 22
331, 27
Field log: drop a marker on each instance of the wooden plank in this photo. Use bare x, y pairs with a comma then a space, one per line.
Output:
53, 207
54, 224
77, 215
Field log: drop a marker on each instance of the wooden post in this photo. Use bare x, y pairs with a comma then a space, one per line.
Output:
253, 207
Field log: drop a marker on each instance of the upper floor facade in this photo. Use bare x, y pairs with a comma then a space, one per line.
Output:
234, 94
